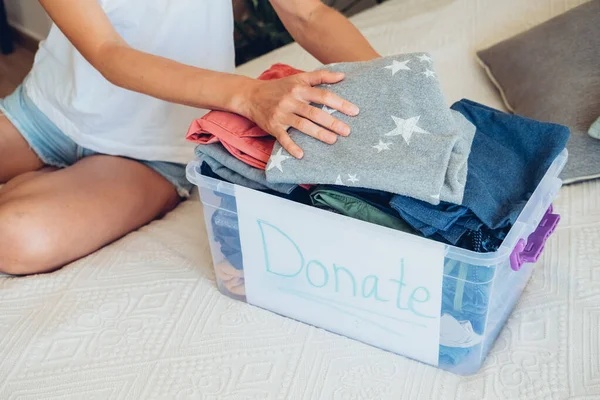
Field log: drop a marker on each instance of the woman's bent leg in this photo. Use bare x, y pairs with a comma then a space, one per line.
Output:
58, 217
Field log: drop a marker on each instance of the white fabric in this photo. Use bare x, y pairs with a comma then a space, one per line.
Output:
103, 117
142, 318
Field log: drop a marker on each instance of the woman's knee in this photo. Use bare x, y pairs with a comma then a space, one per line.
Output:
24, 247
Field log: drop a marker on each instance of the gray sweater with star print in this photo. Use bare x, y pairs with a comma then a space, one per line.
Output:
404, 141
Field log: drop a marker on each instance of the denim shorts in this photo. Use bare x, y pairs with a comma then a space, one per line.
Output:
56, 149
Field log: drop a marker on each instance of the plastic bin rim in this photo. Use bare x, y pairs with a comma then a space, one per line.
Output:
456, 253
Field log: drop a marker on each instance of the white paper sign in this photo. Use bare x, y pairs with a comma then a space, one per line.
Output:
366, 282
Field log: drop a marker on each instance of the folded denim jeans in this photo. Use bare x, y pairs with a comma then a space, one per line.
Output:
226, 231
509, 157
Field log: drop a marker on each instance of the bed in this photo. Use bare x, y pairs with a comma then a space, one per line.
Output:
142, 318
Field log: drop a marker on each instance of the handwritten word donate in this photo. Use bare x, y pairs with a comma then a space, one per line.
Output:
344, 281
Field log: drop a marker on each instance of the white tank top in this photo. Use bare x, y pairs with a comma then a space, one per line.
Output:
105, 118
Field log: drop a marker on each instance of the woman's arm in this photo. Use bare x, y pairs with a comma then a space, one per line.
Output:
86, 25
323, 32
273, 105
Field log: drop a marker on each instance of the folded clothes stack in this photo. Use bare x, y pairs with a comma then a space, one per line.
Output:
405, 133
458, 175
240, 136
509, 157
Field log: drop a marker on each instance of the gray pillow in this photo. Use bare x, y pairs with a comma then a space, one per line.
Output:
552, 73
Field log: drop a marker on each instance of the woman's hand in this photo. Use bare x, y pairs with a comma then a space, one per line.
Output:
277, 105
274, 105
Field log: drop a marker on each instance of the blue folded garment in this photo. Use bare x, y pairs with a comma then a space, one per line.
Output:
226, 231
509, 157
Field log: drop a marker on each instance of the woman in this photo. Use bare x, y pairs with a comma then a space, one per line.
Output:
92, 143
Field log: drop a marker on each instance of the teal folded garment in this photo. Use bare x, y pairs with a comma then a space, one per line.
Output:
357, 208
595, 129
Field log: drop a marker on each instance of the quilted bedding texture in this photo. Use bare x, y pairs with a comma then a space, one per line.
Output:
142, 318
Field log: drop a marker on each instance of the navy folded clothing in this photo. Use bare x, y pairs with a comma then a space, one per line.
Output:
509, 157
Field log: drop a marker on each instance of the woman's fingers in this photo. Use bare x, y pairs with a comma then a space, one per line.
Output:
323, 77
329, 99
287, 143
322, 118
325, 97
311, 129
287, 105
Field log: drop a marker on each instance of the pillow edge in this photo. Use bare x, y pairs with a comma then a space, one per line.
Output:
495, 82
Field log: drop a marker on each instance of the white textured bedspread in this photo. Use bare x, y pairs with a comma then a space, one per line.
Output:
142, 318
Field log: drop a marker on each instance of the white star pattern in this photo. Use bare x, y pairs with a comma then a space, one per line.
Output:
425, 58
406, 128
352, 178
328, 110
429, 73
276, 160
338, 181
382, 146
397, 66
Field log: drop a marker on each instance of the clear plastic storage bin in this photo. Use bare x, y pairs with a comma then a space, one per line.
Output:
479, 289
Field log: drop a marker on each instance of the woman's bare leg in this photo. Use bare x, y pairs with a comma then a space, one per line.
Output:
57, 217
